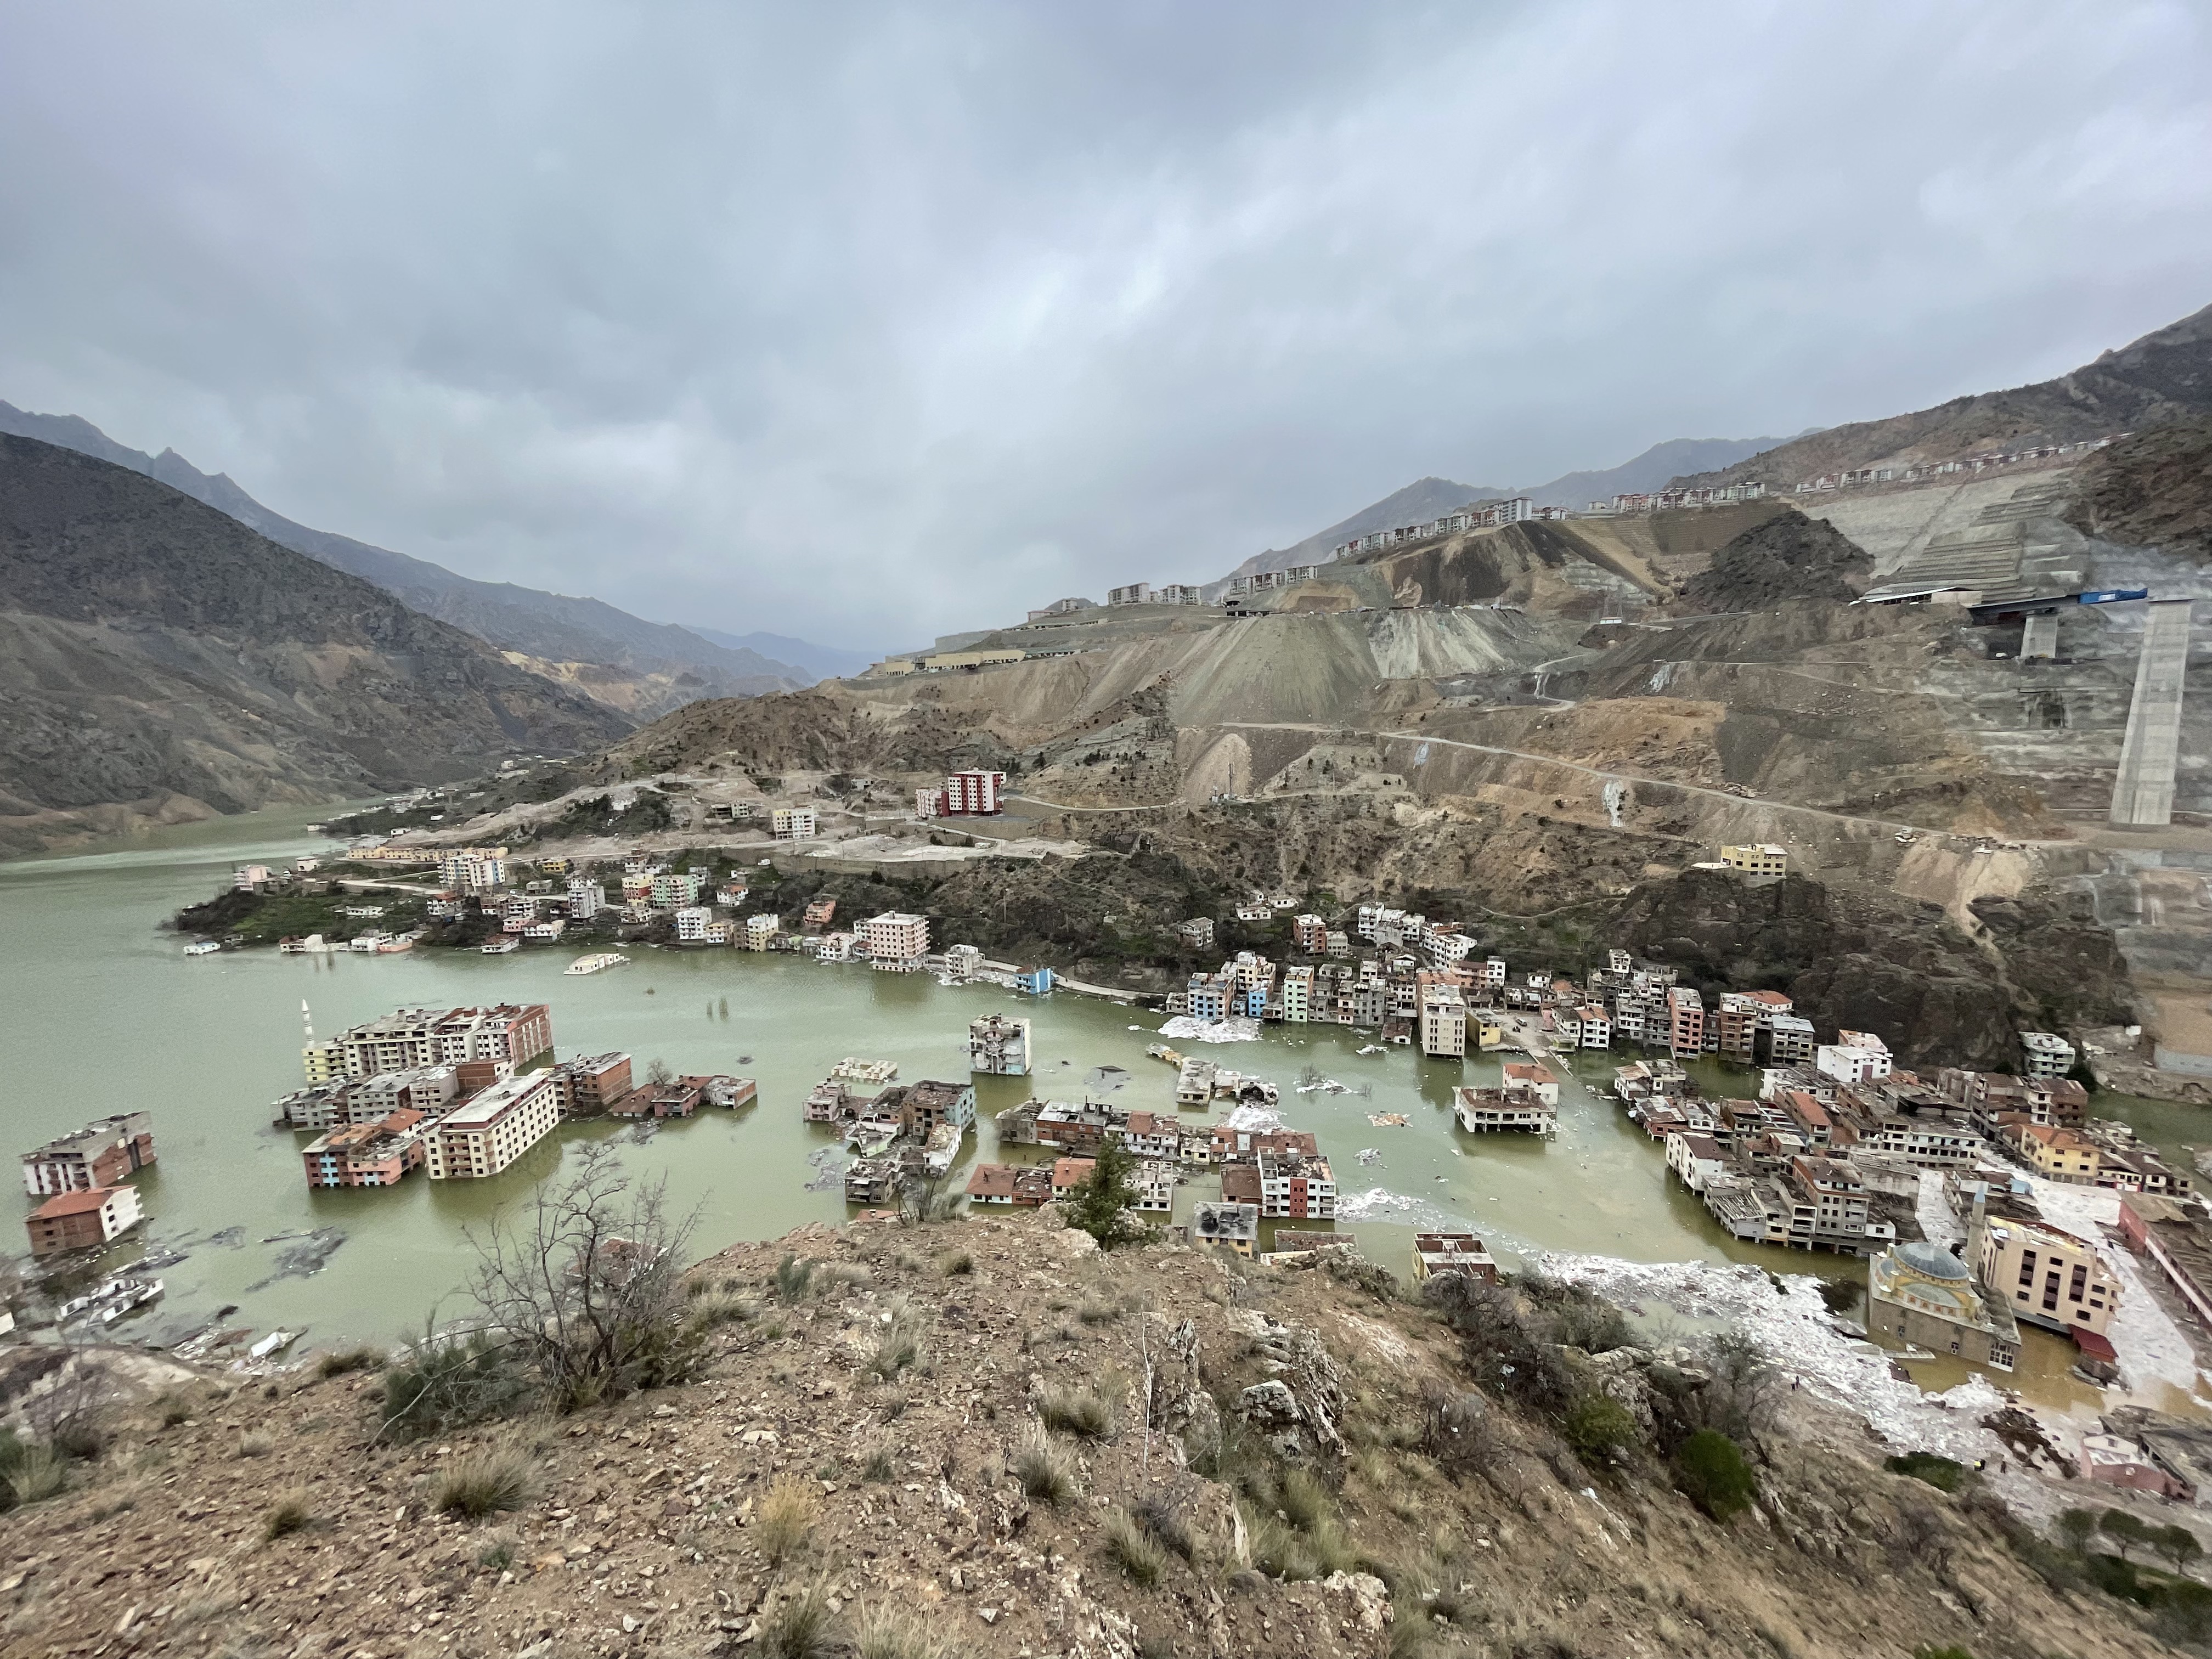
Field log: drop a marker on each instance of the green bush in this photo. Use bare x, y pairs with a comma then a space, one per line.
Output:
441, 1383
1711, 1469
1941, 1473
1599, 1429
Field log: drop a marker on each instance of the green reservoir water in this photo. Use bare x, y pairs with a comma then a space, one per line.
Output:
100, 1013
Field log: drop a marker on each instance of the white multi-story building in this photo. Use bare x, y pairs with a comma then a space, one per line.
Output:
1597, 1027
836, 947
1853, 1057
585, 899
792, 824
2045, 1055
488, 1133
1135, 593
928, 804
693, 923
1297, 1185
896, 941
760, 930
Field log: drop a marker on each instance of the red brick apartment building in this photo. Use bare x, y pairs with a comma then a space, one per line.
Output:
378, 1154
102, 1154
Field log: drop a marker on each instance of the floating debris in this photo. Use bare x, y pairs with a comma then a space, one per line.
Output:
1388, 1120
1369, 1155
1370, 1048
305, 1258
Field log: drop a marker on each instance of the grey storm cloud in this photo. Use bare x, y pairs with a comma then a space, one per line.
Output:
869, 321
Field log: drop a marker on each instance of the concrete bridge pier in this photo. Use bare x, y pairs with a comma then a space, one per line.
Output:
2142, 792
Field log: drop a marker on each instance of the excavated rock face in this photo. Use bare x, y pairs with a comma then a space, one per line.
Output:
1891, 967
2059, 957
2153, 490
1790, 557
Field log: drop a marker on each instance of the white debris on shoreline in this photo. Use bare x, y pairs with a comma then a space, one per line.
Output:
1236, 1029
1791, 1327
1938, 1222
2150, 1346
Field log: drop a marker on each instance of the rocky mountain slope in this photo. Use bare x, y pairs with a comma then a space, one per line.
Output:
158, 658
2153, 490
657, 666
988, 1439
2162, 378
1789, 557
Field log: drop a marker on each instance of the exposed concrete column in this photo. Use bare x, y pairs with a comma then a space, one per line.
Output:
2038, 639
2142, 792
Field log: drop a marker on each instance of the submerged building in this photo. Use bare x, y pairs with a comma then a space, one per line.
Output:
1920, 1293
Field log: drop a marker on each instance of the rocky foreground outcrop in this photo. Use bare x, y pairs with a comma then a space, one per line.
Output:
1022, 1448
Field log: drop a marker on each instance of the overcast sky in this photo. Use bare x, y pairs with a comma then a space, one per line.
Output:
864, 322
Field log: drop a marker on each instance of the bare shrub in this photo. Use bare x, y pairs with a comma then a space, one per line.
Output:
588, 1285
338, 1362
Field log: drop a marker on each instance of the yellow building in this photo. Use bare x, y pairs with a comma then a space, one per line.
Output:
2051, 1278
1489, 1035
2059, 1154
1761, 858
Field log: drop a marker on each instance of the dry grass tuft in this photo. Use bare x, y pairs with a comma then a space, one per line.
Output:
1045, 1471
484, 1482
1134, 1549
785, 1519
1082, 1411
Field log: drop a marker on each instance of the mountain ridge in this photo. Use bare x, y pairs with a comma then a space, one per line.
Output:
159, 659
533, 622
2157, 379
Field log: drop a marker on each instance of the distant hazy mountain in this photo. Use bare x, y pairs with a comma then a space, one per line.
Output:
822, 661
2164, 377
552, 628
159, 658
1432, 498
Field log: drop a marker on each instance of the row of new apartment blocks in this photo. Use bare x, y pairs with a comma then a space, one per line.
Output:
1968, 468
1145, 593
974, 793
512, 1034
1668, 501
1483, 516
